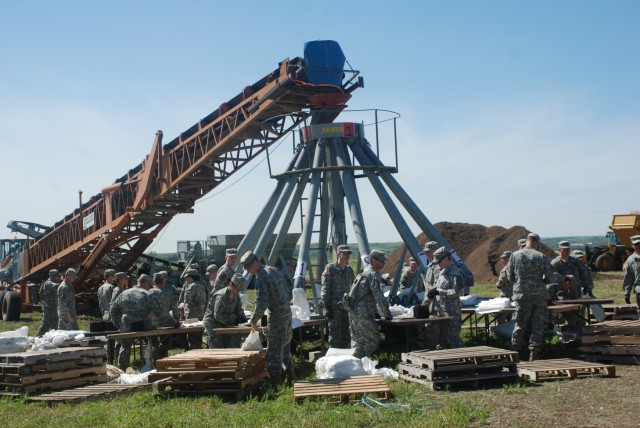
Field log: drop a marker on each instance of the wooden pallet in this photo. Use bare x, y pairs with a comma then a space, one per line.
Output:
473, 381
24, 369
461, 358
614, 327
176, 387
210, 359
50, 355
48, 377
613, 359
612, 349
564, 368
92, 392
342, 390
606, 338
216, 375
411, 371
621, 311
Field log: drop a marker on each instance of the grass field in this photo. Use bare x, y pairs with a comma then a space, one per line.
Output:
593, 401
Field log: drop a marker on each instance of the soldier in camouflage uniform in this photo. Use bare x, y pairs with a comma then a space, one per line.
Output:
433, 270
565, 264
336, 281
212, 274
529, 271
503, 284
169, 303
522, 243
136, 305
225, 310
67, 302
448, 289
631, 282
364, 299
409, 275
105, 292
288, 271
273, 293
49, 296
195, 300
227, 270
122, 283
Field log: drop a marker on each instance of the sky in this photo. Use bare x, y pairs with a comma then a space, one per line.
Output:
511, 113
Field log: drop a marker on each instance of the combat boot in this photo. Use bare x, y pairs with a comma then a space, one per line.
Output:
291, 377
533, 355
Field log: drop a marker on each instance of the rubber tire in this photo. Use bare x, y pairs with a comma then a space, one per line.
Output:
2, 293
11, 306
605, 263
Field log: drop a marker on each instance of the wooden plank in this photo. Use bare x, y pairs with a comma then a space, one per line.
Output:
343, 388
23, 369
52, 376
209, 375
68, 383
460, 357
612, 350
50, 355
92, 392
207, 358
224, 386
612, 339
473, 381
564, 368
423, 373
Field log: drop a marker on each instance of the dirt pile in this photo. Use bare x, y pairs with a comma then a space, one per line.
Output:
479, 246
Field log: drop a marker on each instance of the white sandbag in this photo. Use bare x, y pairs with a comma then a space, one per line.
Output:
470, 300
397, 310
296, 323
252, 342
300, 300
114, 373
295, 311
20, 332
10, 345
148, 366
339, 366
135, 378
369, 365
493, 305
340, 351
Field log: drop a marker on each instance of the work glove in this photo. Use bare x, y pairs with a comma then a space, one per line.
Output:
627, 299
433, 293
389, 317
242, 319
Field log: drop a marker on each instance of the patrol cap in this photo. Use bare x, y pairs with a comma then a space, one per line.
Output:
506, 254
54, 273
522, 243
158, 276
237, 280
411, 259
292, 262
195, 266
247, 259
533, 236
121, 275
635, 239
144, 278
378, 255
164, 274
440, 254
212, 268
109, 272
431, 246
344, 249
71, 272
192, 273
564, 244
231, 252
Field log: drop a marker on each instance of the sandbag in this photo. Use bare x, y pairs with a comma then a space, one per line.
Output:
339, 366
252, 342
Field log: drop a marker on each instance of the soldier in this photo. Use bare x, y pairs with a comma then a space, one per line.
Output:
409, 277
448, 290
67, 302
225, 310
336, 281
365, 295
132, 311
212, 274
104, 293
195, 300
122, 283
529, 271
272, 293
522, 243
169, 303
49, 296
433, 270
289, 270
227, 270
503, 284
631, 282
565, 264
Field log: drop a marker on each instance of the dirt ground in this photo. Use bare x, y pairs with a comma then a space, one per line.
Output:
583, 402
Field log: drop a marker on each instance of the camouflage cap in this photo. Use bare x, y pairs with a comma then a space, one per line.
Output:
506, 254
522, 243
53, 273
212, 268
248, 258
292, 261
144, 278
431, 246
378, 255
564, 244
635, 239
195, 266
237, 280
71, 272
533, 236
164, 274
192, 273
121, 275
158, 277
440, 254
344, 249
109, 272
231, 252
411, 259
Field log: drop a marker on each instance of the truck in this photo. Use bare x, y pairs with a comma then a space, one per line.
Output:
611, 257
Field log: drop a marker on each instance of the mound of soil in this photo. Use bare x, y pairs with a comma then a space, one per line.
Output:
479, 246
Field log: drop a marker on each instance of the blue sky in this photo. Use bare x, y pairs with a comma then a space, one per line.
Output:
513, 113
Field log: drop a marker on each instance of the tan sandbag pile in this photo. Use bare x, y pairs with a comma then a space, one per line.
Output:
479, 246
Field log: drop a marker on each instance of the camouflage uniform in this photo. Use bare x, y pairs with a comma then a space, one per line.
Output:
335, 283
224, 310
168, 301
274, 294
576, 268
288, 276
631, 281
365, 335
195, 299
409, 277
433, 272
432, 330
450, 286
49, 296
225, 273
505, 286
66, 307
105, 293
529, 271
135, 305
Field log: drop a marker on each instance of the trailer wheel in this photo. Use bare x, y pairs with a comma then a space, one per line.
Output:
605, 262
11, 306
2, 293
